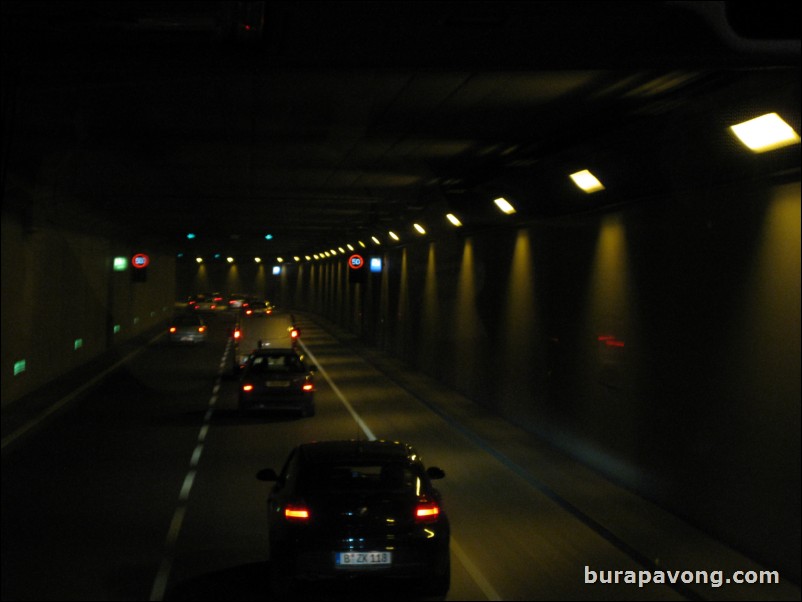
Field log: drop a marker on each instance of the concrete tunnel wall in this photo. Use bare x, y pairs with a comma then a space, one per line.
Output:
64, 306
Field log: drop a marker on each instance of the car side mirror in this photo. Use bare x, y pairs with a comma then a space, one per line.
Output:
267, 474
434, 472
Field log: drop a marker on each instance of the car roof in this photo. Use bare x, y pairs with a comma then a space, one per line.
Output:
325, 452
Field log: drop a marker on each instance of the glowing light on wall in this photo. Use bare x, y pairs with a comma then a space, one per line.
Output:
587, 181
504, 205
454, 220
765, 133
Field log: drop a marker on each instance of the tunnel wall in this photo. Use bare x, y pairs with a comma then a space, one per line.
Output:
658, 343
64, 306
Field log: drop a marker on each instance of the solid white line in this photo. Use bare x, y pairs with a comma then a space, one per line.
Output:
368, 433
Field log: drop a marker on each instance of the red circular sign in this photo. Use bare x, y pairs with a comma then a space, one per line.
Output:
355, 262
140, 260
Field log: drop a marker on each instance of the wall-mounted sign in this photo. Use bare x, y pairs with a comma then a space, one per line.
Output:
140, 260
356, 262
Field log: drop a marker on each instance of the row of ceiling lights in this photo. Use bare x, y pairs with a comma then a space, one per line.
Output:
764, 133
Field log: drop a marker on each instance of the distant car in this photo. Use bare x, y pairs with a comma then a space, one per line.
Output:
357, 509
277, 379
258, 308
187, 328
208, 301
235, 301
276, 330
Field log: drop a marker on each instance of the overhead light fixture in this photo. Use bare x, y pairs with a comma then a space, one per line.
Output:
419, 228
257, 259
393, 235
341, 249
350, 247
587, 181
230, 259
363, 245
504, 205
765, 133
376, 240
454, 220
280, 259
199, 259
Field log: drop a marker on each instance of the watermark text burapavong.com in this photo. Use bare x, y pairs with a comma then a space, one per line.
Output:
665, 577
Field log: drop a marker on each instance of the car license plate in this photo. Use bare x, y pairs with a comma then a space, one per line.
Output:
186, 339
363, 559
277, 383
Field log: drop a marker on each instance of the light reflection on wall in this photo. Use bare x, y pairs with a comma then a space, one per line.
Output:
466, 323
519, 365
610, 311
428, 341
769, 317
259, 281
402, 310
233, 283
201, 278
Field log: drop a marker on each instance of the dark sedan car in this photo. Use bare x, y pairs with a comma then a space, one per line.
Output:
277, 379
344, 510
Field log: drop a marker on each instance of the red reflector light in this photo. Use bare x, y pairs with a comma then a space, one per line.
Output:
296, 513
427, 512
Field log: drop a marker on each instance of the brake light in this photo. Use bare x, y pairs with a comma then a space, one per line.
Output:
213, 306
426, 511
172, 329
297, 513
247, 388
201, 329
308, 387
248, 312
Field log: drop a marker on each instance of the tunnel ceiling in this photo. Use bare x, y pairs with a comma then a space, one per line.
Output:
326, 123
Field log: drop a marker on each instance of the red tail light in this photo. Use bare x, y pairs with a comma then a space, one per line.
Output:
172, 329
248, 312
212, 306
308, 387
294, 333
201, 329
296, 513
247, 388
237, 333
426, 511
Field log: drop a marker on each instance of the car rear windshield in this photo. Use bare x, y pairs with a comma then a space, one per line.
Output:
264, 364
350, 477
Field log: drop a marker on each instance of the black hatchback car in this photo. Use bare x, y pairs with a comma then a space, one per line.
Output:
357, 509
277, 379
